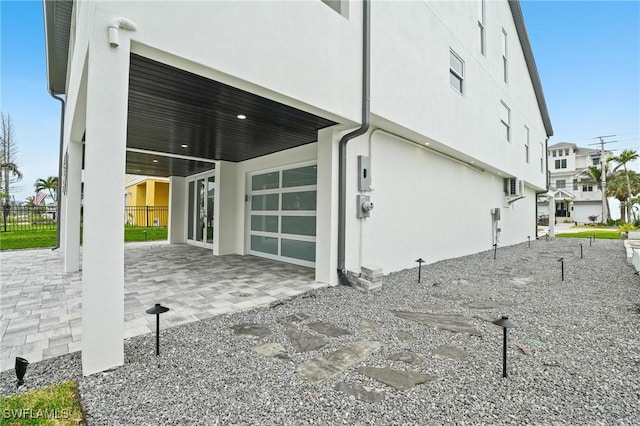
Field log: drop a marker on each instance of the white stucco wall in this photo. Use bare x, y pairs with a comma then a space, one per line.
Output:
426, 206
300, 53
410, 82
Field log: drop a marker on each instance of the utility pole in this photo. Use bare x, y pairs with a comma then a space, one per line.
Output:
603, 173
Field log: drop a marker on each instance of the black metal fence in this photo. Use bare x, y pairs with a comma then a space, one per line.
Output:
34, 218
147, 215
24, 218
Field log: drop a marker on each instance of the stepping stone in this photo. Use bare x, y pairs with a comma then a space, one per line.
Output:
363, 393
328, 329
454, 298
485, 317
521, 281
303, 341
475, 293
455, 323
431, 307
251, 330
366, 325
293, 320
406, 356
487, 304
318, 370
397, 379
275, 350
451, 352
404, 336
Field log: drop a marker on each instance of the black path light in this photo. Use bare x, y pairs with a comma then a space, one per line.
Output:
21, 370
505, 323
157, 310
529, 240
561, 260
420, 262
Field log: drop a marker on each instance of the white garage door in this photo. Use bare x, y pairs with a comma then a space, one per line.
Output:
283, 214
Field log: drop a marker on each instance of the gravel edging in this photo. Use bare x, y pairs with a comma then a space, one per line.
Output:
584, 368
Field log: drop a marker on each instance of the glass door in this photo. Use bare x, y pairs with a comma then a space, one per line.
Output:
200, 210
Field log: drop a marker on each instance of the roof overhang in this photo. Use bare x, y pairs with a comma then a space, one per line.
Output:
518, 18
57, 28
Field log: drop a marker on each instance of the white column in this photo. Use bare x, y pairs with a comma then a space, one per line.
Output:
327, 207
225, 209
552, 215
103, 240
177, 210
71, 208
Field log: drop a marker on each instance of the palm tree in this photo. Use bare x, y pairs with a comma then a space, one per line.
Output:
625, 157
5, 169
49, 184
618, 187
593, 176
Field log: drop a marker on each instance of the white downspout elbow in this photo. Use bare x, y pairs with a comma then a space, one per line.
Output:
115, 25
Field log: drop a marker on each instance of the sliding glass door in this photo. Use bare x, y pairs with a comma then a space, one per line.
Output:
200, 208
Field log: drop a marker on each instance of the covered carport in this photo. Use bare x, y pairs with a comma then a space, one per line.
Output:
135, 110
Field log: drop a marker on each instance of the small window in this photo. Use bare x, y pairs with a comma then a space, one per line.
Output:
561, 183
456, 72
504, 56
561, 164
505, 120
481, 15
526, 144
340, 6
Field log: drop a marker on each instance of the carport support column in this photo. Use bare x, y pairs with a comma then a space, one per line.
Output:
177, 210
103, 244
552, 216
327, 207
71, 208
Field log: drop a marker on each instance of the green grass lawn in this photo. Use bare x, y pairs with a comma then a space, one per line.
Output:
600, 234
15, 240
53, 405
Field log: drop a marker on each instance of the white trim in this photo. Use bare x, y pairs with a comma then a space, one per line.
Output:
167, 154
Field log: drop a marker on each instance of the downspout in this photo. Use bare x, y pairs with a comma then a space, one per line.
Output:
58, 191
342, 164
546, 157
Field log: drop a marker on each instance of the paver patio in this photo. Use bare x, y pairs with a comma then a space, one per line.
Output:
41, 307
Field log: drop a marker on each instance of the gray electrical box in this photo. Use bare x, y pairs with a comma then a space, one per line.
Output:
495, 213
364, 173
363, 206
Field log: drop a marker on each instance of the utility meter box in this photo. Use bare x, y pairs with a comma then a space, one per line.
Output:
363, 206
364, 173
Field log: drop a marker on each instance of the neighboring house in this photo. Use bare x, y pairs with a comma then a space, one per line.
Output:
147, 201
248, 108
576, 195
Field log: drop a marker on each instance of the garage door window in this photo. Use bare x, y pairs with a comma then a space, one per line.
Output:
283, 214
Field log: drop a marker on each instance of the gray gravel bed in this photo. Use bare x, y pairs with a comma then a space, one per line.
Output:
583, 368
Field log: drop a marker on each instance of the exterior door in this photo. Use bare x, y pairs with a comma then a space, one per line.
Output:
200, 207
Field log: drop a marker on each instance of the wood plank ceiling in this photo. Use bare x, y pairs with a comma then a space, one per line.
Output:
177, 112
